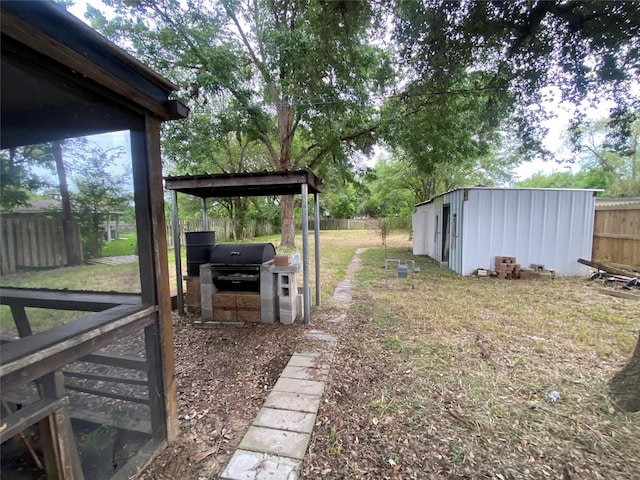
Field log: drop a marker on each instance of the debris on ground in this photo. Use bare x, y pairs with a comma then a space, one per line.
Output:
621, 280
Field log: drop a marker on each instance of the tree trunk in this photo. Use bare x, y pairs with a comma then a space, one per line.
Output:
287, 220
71, 241
625, 385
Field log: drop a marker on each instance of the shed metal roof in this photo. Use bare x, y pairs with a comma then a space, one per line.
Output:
594, 190
245, 184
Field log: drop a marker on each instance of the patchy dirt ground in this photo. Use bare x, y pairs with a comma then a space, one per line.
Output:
223, 375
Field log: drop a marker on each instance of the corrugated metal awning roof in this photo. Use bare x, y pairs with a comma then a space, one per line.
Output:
246, 184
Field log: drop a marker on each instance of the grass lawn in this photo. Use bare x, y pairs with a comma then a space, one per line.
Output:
453, 380
125, 245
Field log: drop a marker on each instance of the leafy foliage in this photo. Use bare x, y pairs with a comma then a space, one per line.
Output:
99, 191
474, 68
296, 76
608, 159
18, 178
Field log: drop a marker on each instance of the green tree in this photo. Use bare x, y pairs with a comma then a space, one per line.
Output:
341, 200
513, 50
18, 180
303, 74
99, 191
607, 157
611, 148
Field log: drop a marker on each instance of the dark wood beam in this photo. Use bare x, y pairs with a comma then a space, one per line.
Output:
33, 357
66, 299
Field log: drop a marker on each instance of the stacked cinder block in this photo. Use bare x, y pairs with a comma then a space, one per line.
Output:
287, 297
507, 268
192, 296
236, 307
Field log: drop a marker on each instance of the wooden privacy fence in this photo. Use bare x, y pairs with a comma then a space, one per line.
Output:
33, 242
347, 224
616, 234
222, 226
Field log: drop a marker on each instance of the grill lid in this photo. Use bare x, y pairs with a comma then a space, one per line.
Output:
242, 253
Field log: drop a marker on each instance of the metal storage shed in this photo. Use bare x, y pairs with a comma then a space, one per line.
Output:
466, 229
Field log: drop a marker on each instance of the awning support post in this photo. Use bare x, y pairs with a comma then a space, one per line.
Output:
176, 249
305, 253
316, 229
205, 215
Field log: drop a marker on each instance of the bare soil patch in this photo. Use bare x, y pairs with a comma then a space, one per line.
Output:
223, 375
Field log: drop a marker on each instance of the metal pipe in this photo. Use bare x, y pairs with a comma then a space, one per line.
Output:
205, 215
316, 229
176, 249
305, 253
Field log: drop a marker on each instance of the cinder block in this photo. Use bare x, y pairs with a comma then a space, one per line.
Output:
299, 306
287, 317
268, 295
206, 273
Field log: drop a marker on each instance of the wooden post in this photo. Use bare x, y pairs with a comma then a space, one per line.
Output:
58, 444
161, 268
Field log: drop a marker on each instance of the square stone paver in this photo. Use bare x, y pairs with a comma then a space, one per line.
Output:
293, 401
276, 442
305, 373
301, 360
302, 422
296, 385
245, 465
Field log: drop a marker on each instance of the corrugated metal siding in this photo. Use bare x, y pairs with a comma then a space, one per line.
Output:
455, 201
549, 227
419, 234
423, 224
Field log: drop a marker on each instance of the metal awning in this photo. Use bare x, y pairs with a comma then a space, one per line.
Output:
259, 184
255, 184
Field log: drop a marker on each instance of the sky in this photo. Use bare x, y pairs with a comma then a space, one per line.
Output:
556, 126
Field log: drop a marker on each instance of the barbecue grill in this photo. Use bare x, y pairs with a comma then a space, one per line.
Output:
237, 266
241, 283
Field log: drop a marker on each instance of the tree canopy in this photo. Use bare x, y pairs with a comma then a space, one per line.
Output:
449, 87
299, 77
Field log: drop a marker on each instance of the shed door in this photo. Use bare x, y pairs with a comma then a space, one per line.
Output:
445, 232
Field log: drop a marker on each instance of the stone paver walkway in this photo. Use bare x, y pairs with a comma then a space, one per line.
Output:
121, 260
275, 444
